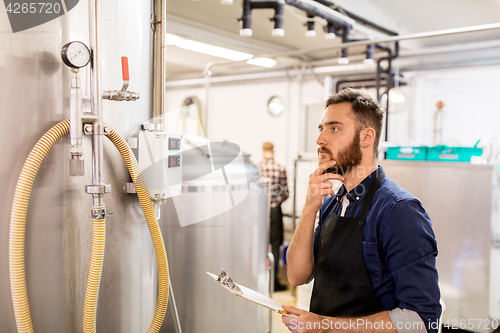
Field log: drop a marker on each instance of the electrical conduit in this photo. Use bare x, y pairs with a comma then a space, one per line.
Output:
19, 210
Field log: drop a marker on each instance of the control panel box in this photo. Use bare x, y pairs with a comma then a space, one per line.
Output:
160, 158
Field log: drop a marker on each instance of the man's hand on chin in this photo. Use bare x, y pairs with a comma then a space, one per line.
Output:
305, 321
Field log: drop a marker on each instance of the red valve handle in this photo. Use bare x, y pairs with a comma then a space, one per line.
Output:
125, 69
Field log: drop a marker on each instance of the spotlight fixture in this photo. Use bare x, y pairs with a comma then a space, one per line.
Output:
330, 31
310, 27
278, 32
370, 49
344, 60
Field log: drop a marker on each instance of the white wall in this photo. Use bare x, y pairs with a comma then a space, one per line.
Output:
238, 112
472, 108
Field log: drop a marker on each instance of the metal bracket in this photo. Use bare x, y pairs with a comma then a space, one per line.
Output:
148, 127
226, 281
88, 129
129, 188
98, 189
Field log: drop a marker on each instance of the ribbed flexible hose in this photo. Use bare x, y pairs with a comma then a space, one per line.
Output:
17, 272
95, 272
154, 228
19, 210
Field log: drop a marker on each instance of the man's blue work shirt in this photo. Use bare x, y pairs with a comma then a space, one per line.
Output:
399, 247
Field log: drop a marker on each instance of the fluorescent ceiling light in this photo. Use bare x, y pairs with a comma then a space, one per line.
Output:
262, 62
171, 39
217, 51
343, 68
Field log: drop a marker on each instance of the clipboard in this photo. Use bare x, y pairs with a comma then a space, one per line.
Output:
225, 281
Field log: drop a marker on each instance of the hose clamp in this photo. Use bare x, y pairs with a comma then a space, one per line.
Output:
99, 214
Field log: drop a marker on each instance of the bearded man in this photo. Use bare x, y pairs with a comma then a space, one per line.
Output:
373, 253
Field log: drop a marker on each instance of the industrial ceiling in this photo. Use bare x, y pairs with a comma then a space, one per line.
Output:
211, 22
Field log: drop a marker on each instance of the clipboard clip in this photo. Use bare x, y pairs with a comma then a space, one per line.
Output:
226, 281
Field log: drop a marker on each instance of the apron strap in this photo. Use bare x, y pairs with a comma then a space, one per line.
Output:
379, 176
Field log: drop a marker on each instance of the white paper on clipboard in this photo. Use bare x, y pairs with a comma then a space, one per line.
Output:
255, 297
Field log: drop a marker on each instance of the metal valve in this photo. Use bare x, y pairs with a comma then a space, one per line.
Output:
122, 95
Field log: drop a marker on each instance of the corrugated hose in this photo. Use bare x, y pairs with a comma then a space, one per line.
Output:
19, 210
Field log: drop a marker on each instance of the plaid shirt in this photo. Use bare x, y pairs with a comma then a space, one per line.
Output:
279, 185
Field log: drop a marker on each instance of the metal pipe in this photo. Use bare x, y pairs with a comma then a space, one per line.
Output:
246, 18
359, 18
338, 17
159, 62
437, 33
249, 5
96, 102
389, 73
309, 9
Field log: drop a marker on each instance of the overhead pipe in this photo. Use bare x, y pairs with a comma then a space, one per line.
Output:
306, 7
437, 33
390, 78
246, 18
359, 18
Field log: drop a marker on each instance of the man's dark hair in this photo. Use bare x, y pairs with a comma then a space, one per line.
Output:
365, 109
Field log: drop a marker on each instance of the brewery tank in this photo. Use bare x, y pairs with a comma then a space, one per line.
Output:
236, 240
34, 92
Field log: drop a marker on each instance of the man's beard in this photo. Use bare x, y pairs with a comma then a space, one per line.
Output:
347, 158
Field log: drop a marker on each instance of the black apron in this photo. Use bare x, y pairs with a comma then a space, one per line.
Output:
342, 287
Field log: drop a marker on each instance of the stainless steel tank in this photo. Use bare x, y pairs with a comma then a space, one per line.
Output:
236, 239
34, 95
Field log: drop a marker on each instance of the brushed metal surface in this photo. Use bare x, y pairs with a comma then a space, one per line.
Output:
458, 199
35, 93
236, 240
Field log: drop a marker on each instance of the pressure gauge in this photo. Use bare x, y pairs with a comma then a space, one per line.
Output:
75, 54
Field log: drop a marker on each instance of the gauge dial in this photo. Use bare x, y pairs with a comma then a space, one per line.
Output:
75, 54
